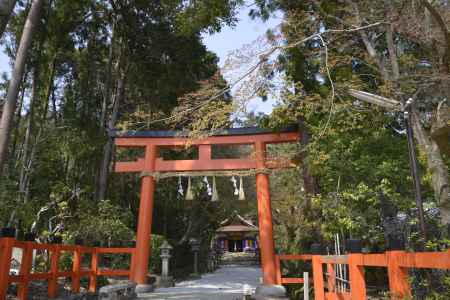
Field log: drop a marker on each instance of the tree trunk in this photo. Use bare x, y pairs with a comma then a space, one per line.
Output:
37, 138
108, 86
23, 180
32, 140
107, 150
309, 182
370, 48
17, 121
54, 109
6, 10
390, 41
442, 24
30, 145
30, 166
13, 90
436, 166
50, 89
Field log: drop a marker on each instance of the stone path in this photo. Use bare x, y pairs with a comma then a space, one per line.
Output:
227, 283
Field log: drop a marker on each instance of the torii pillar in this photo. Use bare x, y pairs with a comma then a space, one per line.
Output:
143, 237
266, 243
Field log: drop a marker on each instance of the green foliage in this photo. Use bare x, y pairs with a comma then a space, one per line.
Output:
155, 258
105, 224
79, 53
356, 152
207, 15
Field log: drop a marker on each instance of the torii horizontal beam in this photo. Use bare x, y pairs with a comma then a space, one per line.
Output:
204, 161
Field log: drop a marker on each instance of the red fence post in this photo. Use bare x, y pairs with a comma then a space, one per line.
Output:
398, 276
357, 282
331, 278
76, 269
278, 269
319, 292
53, 281
6, 246
94, 270
132, 264
25, 269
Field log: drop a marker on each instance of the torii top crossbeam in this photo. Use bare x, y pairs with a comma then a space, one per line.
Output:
172, 139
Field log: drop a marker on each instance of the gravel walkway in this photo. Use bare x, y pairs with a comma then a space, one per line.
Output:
227, 283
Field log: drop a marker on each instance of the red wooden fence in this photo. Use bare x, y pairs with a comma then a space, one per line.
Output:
26, 275
279, 258
396, 262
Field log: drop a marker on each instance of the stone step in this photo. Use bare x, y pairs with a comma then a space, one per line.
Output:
239, 258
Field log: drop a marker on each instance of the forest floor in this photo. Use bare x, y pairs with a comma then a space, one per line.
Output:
227, 283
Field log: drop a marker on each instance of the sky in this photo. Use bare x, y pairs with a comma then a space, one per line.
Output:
229, 39
4, 63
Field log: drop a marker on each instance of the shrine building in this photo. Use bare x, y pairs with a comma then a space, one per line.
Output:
237, 234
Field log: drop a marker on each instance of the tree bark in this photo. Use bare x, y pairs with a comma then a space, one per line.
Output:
370, 48
309, 182
445, 32
23, 180
19, 67
50, 88
390, 42
6, 10
436, 166
18, 119
108, 83
107, 150
30, 144
54, 109
30, 149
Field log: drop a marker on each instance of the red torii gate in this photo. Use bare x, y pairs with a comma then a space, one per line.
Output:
152, 141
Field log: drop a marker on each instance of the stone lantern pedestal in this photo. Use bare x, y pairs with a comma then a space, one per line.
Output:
212, 261
166, 280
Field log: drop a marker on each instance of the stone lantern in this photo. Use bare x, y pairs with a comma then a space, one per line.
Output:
166, 280
195, 247
212, 260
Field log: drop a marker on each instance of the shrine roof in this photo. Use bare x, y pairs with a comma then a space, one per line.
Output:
237, 228
177, 133
237, 223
